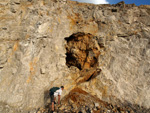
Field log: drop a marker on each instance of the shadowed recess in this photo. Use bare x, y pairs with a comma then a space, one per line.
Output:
82, 51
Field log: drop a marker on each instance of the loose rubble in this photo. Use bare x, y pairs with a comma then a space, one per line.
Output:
79, 101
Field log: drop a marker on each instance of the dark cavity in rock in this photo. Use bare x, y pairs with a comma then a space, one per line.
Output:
83, 51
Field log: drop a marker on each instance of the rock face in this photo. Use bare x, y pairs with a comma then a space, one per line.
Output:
101, 49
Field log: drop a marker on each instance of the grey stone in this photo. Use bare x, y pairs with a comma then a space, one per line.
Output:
96, 104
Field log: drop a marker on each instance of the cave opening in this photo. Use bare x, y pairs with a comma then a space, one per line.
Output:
82, 51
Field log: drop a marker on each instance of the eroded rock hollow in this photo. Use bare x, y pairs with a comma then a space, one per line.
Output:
83, 51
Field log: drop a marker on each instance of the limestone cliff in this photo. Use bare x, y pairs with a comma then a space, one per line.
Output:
101, 49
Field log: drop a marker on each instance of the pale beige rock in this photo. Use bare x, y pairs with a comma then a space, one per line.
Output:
33, 53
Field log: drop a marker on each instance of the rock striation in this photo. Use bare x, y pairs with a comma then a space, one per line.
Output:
101, 50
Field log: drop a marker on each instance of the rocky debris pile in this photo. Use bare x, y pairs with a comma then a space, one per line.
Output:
79, 101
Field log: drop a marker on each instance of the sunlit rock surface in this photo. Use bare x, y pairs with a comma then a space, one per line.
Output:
111, 57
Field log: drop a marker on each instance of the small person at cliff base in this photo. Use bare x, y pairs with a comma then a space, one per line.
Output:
54, 92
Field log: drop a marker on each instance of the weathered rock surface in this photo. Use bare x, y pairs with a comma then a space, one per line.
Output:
114, 67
